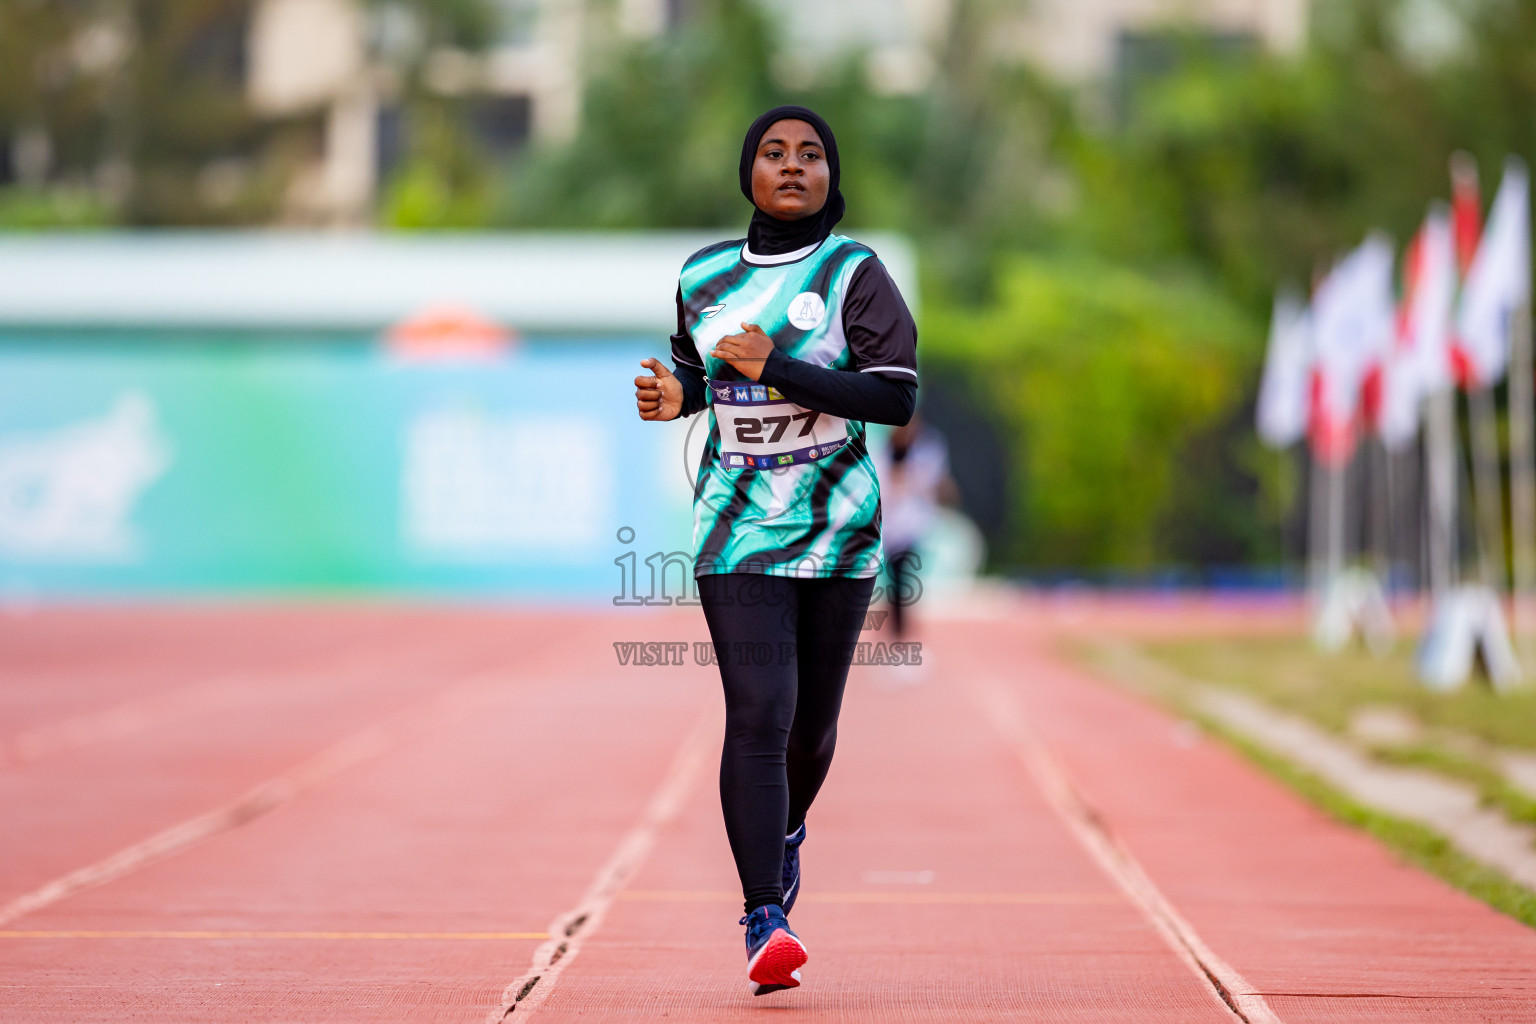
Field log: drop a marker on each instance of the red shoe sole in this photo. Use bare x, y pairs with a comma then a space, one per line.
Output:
777, 965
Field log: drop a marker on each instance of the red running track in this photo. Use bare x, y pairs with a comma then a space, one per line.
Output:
405, 814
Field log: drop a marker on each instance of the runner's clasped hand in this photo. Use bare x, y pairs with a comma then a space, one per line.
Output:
658, 397
747, 351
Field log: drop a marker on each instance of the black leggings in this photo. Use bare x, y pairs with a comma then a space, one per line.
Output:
783, 646
905, 587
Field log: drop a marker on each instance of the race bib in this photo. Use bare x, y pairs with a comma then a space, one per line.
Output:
761, 429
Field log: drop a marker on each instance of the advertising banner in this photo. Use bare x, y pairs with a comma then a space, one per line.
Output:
192, 463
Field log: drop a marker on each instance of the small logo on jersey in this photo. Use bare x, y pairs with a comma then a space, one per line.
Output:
743, 394
723, 392
764, 462
774, 396
759, 393
785, 460
806, 310
812, 453
737, 460
709, 311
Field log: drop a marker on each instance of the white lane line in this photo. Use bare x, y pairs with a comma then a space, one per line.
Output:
1225, 984
258, 801
568, 931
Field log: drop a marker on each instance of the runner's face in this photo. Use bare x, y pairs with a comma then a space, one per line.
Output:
790, 177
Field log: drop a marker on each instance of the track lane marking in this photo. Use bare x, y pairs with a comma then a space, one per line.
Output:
264, 797
1234, 992
568, 931
970, 898
265, 935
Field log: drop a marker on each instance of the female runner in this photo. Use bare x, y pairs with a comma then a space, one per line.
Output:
794, 338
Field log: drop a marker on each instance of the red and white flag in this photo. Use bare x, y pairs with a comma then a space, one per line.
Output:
1284, 392
1420, 363
1353, 323
1499, 281
1466, 209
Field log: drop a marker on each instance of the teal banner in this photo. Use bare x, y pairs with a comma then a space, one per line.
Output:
153, 465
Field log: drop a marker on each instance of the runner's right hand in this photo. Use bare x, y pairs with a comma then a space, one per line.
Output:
658, 397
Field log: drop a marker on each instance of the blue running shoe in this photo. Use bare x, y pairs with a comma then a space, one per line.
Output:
775, 954
792, 867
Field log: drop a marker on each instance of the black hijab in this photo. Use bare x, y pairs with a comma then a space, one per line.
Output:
769, 236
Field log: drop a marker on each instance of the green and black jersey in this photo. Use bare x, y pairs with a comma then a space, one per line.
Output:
815, 510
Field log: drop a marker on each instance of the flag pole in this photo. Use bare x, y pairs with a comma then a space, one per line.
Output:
1317, 518
1381, 515
1440, 461
1522, 476
1338, 483
1487, 485
1285, 513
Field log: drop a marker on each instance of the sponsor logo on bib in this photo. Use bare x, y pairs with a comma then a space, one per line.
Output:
807, 310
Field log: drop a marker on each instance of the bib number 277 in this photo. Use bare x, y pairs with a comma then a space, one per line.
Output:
749, 429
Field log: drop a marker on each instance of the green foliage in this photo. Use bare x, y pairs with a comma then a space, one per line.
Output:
38, 209
660, 131
461, 24
1104, 379
662, 124
143, 108
1262, 169
445, 183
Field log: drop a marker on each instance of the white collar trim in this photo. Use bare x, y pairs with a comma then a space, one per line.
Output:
748, 256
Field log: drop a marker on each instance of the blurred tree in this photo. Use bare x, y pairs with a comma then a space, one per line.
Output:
660, 130
446, 180
53, 92
967, 166
1107, 381
135, 111
443, 177
983, 160
1262, 169
180, 121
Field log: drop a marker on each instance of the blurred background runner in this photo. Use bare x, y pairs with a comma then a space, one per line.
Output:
914, 481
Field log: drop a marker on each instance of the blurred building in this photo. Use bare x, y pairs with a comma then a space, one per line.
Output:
1072, 40
351, 61
1077, 40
